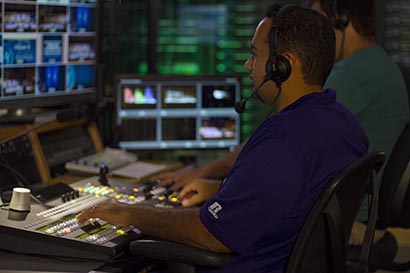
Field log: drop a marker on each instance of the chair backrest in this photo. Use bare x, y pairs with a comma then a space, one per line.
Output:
322, 243
394, 203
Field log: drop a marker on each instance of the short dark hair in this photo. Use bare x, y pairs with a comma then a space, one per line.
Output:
362, 14
273, 9
309, 35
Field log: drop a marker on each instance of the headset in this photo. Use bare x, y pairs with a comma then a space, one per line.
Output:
278, 68
338, 18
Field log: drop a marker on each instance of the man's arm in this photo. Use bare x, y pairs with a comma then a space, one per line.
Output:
220, 167
181, 225
217, 168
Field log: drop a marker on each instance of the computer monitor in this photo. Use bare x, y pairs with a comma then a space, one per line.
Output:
173, 112
47, 53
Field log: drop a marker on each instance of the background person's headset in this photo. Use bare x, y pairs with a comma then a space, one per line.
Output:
338, 17
278, 68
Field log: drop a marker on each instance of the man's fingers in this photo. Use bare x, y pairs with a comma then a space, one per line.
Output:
85, 215
165, 182
95, 211
185, 190
193, 200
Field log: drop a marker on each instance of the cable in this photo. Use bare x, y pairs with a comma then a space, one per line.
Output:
279, 86
28, 130
19, 178
21, 181
14, 172
342, 45
61, 116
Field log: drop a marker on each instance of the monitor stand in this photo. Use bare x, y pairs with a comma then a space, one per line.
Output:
17, 116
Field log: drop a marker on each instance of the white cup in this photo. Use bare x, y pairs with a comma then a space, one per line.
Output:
20, 200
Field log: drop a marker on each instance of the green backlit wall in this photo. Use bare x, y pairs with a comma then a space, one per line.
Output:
123, 39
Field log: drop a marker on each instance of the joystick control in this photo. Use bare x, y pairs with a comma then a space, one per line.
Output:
104, 170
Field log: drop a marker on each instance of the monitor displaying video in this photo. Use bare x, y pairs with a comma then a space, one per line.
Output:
52, 78
218, 96
139, 97
80, 77
18, 81
52, 49
179, 96
53, 19
19, 51
47, 52
82, 19
81, 49
218, 128
19, 17
178, 112
178, 129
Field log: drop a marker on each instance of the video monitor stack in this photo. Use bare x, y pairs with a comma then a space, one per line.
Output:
172, 112
47, 49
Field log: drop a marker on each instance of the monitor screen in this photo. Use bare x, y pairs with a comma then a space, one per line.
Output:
47, 52
172, 112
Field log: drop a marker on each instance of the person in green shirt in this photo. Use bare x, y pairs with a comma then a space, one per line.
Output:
366, 80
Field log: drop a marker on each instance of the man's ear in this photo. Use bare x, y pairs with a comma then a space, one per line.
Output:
291, 57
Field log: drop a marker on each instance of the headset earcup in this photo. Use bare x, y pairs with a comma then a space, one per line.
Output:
284, 68
339, 22
282, 71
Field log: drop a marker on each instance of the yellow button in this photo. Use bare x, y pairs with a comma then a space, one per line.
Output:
135, 189
120, 232
117, 196
132, 197
174, 199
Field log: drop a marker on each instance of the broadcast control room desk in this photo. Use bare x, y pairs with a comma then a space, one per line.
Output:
52, 241
57, 253
37, 153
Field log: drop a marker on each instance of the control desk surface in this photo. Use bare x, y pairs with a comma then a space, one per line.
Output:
55, 231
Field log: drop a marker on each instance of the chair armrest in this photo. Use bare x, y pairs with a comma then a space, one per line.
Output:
176, 252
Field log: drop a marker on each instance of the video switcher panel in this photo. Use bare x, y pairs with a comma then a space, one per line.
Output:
55, 231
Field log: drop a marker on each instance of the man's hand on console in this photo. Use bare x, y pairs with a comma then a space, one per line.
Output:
177, 180
110, 211
198, 192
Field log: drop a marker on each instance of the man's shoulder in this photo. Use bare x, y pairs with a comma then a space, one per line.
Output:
364, 63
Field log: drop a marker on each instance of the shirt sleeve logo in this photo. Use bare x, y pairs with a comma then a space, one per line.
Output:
214, 208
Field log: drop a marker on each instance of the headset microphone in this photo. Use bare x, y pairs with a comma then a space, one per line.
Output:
240, 105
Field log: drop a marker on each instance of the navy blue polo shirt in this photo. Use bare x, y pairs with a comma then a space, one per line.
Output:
277, 177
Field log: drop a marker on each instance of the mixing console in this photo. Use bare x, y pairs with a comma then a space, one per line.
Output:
56, 232
128, 193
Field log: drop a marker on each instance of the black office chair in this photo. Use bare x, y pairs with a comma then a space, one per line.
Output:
322, 243
394, 207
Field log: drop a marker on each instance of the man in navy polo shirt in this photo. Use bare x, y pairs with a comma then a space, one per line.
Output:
263, 202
